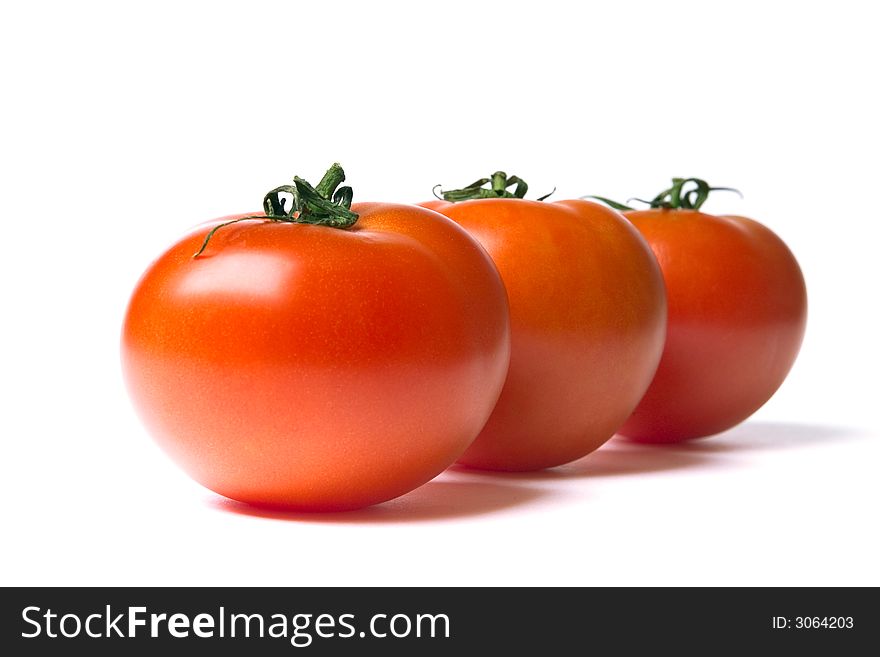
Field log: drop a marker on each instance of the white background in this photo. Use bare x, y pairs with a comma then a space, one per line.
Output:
123, 126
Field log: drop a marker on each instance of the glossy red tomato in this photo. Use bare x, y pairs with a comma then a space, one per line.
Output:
318, 368
588, 318
737, 314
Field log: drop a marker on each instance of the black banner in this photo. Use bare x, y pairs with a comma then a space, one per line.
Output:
436, 621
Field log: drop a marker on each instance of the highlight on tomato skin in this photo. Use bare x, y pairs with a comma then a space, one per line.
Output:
737, 316
293, 363
588, 317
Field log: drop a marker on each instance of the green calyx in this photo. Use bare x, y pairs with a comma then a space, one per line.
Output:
326, 204
676, 197
499, 185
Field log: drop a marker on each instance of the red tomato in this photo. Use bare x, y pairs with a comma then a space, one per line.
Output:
737, 313
588, 314
318, 368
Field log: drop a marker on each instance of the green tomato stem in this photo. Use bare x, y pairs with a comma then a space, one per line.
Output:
324, 205
675, 197
499, 187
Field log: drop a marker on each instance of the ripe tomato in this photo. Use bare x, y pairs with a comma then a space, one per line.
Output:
588, 316
737, 314
313, 367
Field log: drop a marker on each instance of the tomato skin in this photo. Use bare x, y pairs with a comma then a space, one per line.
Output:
588, 314
737, 315
315, 368
436, 204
